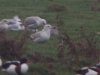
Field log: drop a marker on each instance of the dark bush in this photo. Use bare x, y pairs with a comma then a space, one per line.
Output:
12, 48
83, 52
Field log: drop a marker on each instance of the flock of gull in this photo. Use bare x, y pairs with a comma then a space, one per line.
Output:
32, 23
41, 32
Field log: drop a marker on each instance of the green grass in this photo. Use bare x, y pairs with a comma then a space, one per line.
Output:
78, 14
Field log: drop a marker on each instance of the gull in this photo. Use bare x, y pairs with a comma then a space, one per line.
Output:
86, 71
14, 23
5, 26
14, 20
34, 22
43, 35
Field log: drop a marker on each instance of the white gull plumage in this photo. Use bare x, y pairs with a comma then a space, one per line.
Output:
34, 22
43, 35
3, 26
13, 24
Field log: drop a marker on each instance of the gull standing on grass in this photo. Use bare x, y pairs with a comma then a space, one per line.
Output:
43, 35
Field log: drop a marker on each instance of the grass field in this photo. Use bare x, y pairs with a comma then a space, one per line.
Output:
78, 13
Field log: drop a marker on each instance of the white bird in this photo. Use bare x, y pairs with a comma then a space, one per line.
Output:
91, 72
34, 22
14, 23
43, 35
86, 71
16, 67
12, 20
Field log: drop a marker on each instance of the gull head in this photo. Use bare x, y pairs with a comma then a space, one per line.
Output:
47, 26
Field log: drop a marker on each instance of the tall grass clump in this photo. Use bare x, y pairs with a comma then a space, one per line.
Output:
81, 52
12, 48
95, 5
75, 53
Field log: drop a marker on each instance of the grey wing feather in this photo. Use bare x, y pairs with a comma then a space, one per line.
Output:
35, 35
